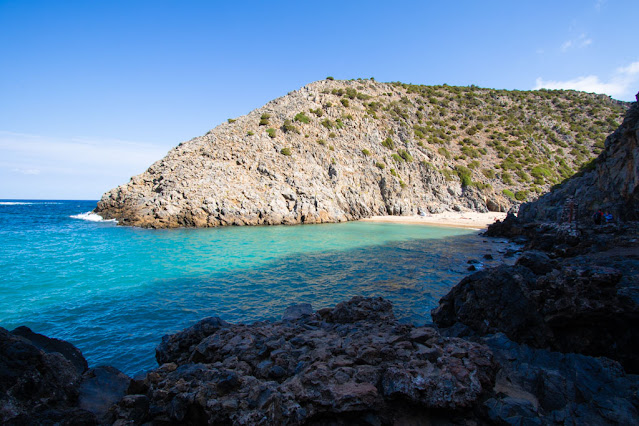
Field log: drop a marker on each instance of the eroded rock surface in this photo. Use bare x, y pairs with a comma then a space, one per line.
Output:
353, 361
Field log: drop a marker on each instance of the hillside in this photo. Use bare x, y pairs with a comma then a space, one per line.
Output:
343, 150
609, 183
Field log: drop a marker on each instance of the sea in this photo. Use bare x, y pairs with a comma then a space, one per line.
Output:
114, 291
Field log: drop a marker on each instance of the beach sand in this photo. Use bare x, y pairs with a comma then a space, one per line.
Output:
454, 219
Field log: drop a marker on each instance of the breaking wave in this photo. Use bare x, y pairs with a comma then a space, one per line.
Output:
91, 217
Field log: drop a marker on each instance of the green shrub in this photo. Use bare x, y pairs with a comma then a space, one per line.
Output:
332, 135
331, 147
393, 172
288, 127
397, 158
489, 173
388, 143
366, 152
318, 112
448, 174
271, 132
521, 195
265, 116
263, 121
250, 133
231, 120
402, 184
330, 78
444, 152
286, 151
339, 123
345, 102
379, 165
302, 118
508, 193
507, 178
465, 175
327, 123
540, 172
321, 142
405, 155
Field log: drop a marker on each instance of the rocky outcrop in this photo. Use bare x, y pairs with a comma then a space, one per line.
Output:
611, 183
47, 381
351, 364
36, 386
343, 150
581, 304
353, 361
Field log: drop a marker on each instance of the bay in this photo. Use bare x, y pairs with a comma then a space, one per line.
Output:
115, 291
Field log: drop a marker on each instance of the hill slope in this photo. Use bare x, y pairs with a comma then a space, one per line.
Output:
610, 183
343, 150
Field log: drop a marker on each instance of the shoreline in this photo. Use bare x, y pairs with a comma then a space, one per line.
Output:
472, 220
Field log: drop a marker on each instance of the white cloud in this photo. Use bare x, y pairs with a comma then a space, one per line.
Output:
621, 85
599, 4
580, 42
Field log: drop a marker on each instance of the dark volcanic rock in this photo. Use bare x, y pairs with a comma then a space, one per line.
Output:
50, 345
173, 347
38, 387
583, 305
536, 386
350, 362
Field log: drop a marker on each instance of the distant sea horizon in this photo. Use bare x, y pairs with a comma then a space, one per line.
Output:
114, 291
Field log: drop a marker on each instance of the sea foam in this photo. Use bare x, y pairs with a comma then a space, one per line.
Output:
91, 217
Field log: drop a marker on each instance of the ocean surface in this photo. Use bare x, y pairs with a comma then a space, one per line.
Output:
115, 291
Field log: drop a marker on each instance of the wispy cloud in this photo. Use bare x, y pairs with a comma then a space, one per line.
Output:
580, 42
72, 168
621, 84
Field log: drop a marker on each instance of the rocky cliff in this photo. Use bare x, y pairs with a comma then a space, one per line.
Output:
342, 150
610, 182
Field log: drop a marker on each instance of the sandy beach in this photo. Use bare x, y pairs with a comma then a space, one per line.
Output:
472, 220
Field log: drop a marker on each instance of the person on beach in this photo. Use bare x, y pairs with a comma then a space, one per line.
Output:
598, 217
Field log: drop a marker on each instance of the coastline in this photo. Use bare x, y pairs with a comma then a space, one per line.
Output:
472, 220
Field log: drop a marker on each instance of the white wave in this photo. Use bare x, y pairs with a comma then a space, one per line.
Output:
14, 203
91, 217
24, 203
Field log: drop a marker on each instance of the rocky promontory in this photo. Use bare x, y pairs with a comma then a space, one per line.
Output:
334, 151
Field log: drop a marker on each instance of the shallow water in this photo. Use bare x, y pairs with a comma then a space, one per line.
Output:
115, 291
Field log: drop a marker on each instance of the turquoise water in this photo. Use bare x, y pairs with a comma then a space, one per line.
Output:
115, 291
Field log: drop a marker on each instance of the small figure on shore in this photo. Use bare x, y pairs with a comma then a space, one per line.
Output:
598, 217
608, 217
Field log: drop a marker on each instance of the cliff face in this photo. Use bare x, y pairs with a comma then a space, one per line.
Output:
612, 184
342, 150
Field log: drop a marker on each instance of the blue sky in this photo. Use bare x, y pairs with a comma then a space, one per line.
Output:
93, 92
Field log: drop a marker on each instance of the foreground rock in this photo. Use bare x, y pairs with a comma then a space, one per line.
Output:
583, 304
350, 363
343, 150
47, 381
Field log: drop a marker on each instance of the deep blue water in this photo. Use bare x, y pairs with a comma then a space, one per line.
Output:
115, 291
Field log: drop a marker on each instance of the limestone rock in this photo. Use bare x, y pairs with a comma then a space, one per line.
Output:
353, 149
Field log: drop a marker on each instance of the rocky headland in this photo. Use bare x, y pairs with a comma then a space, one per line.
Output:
334, 151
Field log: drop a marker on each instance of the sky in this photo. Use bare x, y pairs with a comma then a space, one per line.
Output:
94, 92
